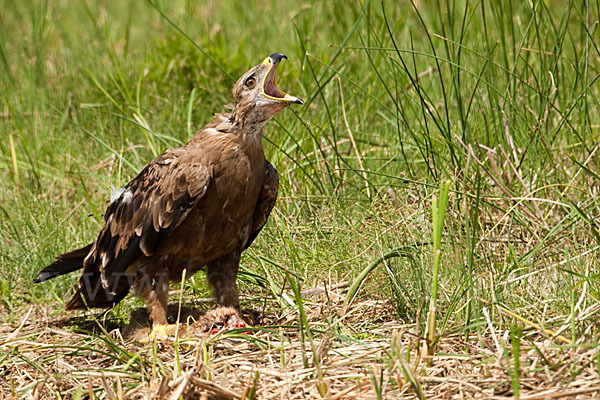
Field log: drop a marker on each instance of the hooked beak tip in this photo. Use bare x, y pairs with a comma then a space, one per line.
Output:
276, 57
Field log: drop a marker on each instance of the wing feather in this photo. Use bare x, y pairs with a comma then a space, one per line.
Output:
156, 201
266, 202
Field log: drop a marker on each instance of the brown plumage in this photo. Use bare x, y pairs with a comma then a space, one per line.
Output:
198, 205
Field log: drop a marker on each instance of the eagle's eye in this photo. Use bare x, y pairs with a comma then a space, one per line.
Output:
250, 82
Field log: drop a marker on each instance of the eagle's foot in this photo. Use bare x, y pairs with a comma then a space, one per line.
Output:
165, 332
218, 320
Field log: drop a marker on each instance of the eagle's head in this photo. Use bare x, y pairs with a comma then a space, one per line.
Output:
257, 97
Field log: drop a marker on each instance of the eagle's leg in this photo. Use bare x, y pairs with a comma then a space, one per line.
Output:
154, 290
221, 275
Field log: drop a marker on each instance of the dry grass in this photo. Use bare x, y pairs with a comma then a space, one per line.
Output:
46, 360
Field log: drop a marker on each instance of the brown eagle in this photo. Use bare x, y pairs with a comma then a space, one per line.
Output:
200, 205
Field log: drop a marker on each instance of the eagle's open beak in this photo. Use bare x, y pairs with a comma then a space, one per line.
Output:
269, 88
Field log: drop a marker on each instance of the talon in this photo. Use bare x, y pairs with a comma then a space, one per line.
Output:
233, 321
164, 331
219, 320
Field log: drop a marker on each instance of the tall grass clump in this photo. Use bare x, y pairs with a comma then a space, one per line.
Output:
499, 97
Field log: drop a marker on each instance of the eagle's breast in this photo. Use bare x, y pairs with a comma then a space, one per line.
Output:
222, 219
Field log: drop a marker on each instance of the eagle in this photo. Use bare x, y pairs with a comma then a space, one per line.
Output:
197, 206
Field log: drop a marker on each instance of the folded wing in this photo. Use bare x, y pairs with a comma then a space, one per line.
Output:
155, 202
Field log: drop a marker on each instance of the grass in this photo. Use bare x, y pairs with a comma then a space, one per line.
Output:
498, 98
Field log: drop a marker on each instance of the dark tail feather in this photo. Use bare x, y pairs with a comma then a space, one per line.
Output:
65, 263
76, 302
91, 293
102, 300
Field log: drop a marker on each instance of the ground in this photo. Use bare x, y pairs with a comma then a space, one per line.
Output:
273, 362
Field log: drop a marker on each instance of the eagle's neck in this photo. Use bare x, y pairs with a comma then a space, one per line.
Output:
248, 121
233, 126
